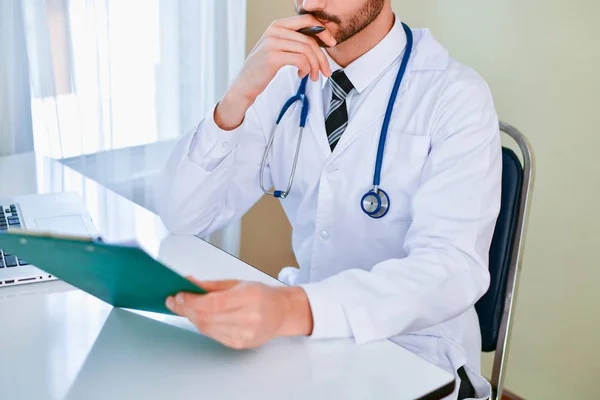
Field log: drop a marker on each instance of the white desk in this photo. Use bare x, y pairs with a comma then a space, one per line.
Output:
57, 342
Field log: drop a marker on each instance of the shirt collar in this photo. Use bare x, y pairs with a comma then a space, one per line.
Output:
366, 69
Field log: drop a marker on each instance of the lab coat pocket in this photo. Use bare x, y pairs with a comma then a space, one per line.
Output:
413, 145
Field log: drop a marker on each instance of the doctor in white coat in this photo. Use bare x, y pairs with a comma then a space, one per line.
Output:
413, 275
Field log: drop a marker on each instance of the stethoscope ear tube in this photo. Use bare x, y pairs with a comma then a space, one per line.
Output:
280, 194
302, 98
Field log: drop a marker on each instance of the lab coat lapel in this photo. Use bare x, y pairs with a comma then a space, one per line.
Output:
316, 119
370, 115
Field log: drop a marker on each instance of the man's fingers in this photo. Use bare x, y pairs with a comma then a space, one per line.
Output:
235, 336
230, 329
203, 306
195, 281
214, 286
300, 61
237, 318
305, 21
283, 33
188, 304
278, 45
176, 306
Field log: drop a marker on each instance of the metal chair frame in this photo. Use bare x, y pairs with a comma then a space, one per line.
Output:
516, 259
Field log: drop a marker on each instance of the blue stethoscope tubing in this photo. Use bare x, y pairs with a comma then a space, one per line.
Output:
302, 98
376, 202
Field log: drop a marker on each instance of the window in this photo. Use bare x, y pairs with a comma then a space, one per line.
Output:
96, 88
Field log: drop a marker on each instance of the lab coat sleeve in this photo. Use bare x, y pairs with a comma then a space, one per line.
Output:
211, 178
454, 212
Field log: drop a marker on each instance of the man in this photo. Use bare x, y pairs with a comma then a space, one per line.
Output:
413, 275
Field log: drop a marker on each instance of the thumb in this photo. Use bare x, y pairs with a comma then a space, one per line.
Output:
214, 286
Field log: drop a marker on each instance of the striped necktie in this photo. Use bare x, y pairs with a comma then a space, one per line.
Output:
336, 121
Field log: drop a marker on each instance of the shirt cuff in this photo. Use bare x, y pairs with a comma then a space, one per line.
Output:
329, 317
211, 143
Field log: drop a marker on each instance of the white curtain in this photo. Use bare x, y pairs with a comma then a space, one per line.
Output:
16, 134
110, 74
113, 83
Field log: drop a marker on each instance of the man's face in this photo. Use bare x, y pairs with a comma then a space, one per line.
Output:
343, 18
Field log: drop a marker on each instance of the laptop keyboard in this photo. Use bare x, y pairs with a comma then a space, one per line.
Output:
9, 219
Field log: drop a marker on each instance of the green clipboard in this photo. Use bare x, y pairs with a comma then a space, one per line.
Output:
120, 275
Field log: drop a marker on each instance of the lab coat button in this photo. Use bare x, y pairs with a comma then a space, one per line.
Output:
225, 144
330, 169
324, 235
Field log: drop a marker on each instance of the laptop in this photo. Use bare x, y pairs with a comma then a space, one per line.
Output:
63, 213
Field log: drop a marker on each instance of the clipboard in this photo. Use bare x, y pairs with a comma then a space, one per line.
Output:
123, 276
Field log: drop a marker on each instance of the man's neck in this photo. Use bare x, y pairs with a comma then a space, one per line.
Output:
352, 49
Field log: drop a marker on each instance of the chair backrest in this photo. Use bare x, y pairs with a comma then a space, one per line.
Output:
491, 306
495, 307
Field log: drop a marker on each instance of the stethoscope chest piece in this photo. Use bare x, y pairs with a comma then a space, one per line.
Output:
376, 203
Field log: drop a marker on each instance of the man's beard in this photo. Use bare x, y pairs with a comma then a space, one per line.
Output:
355, 24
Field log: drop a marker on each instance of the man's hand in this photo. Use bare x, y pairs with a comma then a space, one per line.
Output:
245, 315
280, 45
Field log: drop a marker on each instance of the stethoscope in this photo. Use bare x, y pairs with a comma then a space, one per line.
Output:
376, 202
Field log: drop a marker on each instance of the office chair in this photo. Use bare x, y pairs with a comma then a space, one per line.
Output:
495, 308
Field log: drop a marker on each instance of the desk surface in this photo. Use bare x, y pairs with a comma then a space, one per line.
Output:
57, 342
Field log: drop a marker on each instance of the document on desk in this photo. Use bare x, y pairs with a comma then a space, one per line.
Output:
122, 275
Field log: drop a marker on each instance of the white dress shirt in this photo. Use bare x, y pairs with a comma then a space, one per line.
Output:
366, 70
412, 276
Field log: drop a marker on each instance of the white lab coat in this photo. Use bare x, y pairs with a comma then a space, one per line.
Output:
412, 276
